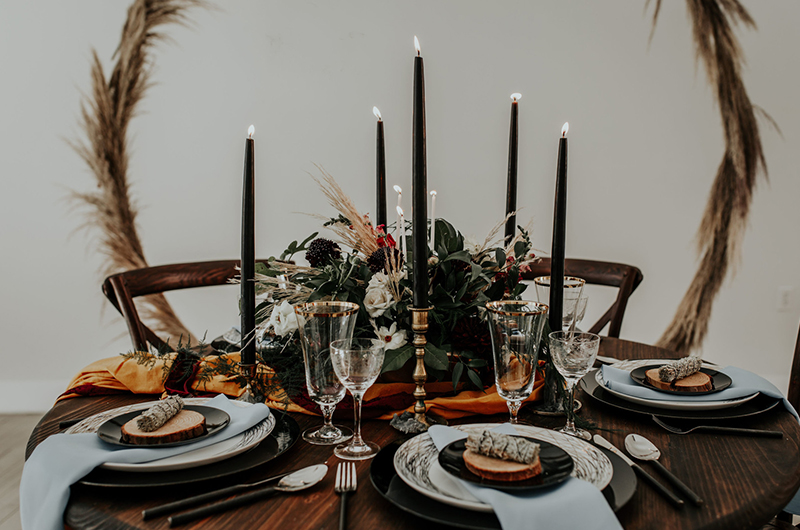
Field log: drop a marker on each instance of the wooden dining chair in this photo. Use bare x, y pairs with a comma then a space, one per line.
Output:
784, 519
625, 277
122, 288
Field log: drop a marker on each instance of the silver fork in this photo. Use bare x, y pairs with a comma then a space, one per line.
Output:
718, 429
346, 482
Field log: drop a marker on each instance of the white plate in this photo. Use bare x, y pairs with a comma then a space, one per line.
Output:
417, 464
630, 365
199, 457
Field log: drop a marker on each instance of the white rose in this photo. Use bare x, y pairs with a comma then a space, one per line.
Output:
377, 301
381, 280
283, 319
471, 245
392, 338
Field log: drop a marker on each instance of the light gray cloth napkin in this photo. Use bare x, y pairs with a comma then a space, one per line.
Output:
744, 384
63, 459
572, 504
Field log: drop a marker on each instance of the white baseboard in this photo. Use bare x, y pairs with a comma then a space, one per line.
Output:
31, 396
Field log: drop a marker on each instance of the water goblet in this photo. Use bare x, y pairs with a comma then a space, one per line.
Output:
357, 363
573, 354
575, 299
320, 324
516, 329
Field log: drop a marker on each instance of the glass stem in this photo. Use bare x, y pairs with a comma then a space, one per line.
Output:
327, 417
570, 406
513, 408
357, 412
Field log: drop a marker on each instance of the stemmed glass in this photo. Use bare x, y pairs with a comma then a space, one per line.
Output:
516, 329
573, 354
357, 363
575, 299
320, 324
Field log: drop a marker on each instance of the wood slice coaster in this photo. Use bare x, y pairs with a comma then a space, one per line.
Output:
497, 469
697, 382
185, 425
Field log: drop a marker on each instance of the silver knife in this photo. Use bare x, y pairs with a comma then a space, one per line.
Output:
675, 501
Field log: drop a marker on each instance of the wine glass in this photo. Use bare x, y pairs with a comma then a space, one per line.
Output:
575, 299
516, 329
573, 354
357, 363
321, 323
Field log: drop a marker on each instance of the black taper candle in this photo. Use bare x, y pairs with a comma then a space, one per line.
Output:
557, 255
419, 192
511, 185
380, 173
248, 292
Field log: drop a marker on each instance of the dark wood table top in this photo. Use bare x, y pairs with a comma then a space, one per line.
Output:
744, 481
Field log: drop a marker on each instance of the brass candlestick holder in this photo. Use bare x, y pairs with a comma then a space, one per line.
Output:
248, 371
419, 325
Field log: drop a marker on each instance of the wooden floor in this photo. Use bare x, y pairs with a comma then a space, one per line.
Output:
14, 432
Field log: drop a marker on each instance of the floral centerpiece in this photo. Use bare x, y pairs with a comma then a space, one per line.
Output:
361, 263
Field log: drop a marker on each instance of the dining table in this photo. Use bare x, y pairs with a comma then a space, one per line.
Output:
743, 481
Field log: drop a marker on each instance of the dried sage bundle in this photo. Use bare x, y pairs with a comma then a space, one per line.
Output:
159, 414
503, 446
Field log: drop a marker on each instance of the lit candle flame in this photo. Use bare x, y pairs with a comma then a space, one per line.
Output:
376, 112
250, 131
399, 211
516, 96
398, 189
433, 192
564, 129
416, 44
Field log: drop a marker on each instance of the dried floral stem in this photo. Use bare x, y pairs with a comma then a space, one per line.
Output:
359, 235
105, 118
724, 221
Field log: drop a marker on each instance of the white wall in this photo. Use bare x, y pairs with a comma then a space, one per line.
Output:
645, 141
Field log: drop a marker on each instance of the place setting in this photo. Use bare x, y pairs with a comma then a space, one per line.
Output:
684, 389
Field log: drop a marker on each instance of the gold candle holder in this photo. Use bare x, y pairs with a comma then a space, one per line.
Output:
248, 371
419, 325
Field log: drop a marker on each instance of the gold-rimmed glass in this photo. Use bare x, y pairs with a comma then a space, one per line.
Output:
516, 330
320, 324
575, 299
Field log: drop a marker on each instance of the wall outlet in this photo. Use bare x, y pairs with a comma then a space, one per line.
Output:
785, 298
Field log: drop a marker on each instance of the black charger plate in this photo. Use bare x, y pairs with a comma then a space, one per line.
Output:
719, 381
111, 430
392, 488
757, 405
556, 467
280, 440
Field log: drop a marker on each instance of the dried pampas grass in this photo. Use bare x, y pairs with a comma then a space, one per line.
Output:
359, 235
106, 114
725, 218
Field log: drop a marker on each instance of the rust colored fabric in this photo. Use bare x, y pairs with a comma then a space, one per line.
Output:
116, 374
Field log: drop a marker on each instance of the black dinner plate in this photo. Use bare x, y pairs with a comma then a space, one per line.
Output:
719, 381
111, 430
282, 437
556, 467
758, 405
392, 488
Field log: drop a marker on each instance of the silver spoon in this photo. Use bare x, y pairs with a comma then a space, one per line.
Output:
641, 448
297, 481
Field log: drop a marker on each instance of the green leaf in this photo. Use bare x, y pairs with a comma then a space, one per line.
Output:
461, 255
500, 256
476, 380
435, 357
458, 370
519, 249
396, 358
